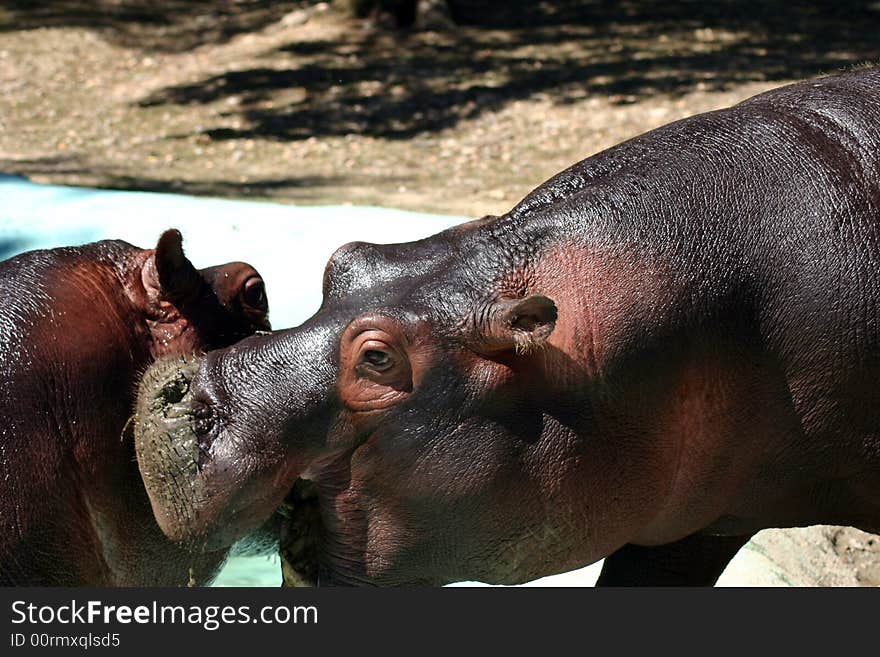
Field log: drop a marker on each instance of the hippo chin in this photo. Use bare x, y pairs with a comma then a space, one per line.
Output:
657, 353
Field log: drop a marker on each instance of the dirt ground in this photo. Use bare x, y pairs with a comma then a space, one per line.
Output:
294, 102
291, 101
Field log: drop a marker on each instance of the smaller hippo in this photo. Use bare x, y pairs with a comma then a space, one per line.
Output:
77, 327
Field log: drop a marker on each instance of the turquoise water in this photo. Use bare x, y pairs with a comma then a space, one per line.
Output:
250, 571
266, 571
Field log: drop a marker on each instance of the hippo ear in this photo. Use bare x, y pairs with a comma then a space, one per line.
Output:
178, 279
519, 324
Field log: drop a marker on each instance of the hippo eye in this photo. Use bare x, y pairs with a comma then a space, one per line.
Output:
374, 366
254, 293
378, 359
375, 358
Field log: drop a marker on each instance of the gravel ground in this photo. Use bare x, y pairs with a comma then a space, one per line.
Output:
288, 100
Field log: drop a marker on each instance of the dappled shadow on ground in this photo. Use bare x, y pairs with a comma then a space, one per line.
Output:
84, 173
397, 85
168, 25
329, 78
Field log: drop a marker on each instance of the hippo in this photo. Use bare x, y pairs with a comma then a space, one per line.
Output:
77, 328
658, 352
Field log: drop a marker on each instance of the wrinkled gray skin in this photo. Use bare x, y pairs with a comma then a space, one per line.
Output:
658, 352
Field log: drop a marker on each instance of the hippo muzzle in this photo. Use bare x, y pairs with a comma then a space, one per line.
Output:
173, 439
209, 486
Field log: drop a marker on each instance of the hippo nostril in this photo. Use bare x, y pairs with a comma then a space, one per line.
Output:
202, 412
204, 419
174, 390
203, 426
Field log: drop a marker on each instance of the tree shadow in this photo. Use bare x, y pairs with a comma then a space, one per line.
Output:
161, 25
72, 170
217, 187
398, 85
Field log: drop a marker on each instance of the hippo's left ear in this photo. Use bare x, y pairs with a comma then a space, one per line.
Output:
519, 324
178, 279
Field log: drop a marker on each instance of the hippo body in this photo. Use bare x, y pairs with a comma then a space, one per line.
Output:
77, 327
657, 353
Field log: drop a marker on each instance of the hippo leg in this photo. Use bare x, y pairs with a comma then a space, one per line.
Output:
696, 560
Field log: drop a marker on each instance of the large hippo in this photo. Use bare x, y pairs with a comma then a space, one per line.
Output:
658, 352
77, 327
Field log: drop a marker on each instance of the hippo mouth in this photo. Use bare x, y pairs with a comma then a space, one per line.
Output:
300, 536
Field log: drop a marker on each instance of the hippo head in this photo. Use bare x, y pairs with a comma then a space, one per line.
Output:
190, 311
430, 407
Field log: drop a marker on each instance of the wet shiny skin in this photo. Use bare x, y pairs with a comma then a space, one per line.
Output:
710, 369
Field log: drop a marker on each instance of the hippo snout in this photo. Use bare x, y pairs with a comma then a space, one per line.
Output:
172, 440
187, 459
